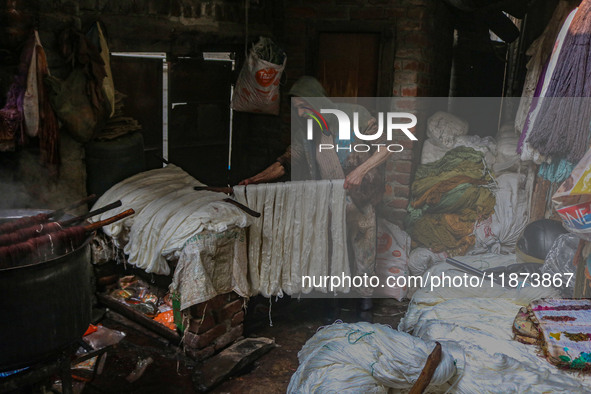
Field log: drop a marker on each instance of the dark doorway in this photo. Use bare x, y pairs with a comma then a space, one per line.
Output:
348, 63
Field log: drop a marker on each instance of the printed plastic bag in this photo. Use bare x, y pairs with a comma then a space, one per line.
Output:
560, 260
391, 259
572, 200
257, 87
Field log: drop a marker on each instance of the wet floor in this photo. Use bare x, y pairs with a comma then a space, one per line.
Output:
290, 323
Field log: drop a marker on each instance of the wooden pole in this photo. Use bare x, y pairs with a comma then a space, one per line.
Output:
428, 370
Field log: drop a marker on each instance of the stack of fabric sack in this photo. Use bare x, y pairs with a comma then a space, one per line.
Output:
446, 131
448, 197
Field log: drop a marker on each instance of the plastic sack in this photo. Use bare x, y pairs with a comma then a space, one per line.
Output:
500, 232
103, 337
421, 259
560, 261
572, 200
73, 107
257, 87
393, 246
444, 127
433, 151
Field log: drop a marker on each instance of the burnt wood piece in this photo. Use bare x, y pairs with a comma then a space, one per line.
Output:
428, 370
91, 213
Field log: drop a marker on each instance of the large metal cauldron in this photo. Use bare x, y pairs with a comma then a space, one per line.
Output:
44, 307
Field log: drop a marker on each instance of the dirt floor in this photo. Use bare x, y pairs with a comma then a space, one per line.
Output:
291, 323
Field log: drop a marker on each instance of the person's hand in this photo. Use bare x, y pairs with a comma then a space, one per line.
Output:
271, 173
246, 181
353, 180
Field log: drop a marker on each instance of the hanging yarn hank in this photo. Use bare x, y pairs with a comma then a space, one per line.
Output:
561, 129
45, 247
23, 222
26, 233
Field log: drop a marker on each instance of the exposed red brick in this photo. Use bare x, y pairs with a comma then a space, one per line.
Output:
197, 310
406, 77
416, 12
397, 216
410, 91
406, 143
389, 190
370, 13
200, 354
403, 179
229, 310
237, 318
202, 340
301, 12
217, 302
401, 191
228, 338
398, 203
334, 12
233, 296
410, 25
406, 105
198, 325
190, 339
409, 53
417, 39
403, 166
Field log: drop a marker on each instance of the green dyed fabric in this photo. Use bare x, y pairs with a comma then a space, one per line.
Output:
448, 224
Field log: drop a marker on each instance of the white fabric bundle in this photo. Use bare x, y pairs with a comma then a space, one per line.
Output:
291, 238
444, 127
365, 358
136, 192
476, 325
167, 213
500, 232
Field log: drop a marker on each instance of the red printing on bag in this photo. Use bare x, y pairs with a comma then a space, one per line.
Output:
265, 76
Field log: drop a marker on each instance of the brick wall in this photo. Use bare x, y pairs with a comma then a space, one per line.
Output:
422, 63
213, 325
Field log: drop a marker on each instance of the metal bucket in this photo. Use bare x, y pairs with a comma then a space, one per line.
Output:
44, 307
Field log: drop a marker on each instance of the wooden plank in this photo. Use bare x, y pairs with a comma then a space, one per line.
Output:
428, 370
140, 318
231, 361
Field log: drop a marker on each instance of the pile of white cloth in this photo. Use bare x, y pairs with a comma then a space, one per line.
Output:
365, 358
474, 328
300, 223
168, 211
476, 325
